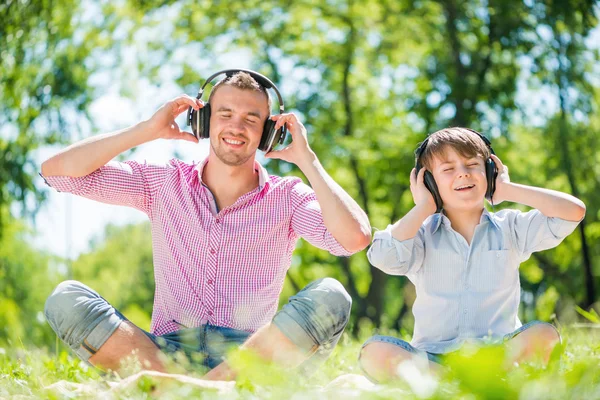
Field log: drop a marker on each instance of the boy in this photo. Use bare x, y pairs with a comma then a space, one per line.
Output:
464, 260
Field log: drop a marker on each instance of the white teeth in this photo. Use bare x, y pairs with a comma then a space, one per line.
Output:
464, 187
231, 141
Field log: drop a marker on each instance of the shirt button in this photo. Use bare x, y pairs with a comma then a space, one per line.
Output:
498, 255
217, 220
210, 313
210, 282
464, 311
212, 251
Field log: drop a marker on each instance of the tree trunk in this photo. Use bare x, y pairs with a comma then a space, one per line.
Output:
590, 288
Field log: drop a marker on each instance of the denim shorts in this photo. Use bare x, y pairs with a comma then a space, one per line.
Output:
313, 319
439, 358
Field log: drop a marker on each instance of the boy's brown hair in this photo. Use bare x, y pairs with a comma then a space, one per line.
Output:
241, 80
464, 141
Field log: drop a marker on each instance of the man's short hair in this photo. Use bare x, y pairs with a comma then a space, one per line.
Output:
466, 143
243, 81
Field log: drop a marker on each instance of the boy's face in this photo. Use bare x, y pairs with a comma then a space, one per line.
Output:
461, 181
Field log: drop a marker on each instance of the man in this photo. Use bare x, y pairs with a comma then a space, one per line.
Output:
223, 233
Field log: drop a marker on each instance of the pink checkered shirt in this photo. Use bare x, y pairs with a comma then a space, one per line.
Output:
223, 268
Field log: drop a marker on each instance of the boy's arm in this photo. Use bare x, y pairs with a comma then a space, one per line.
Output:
399, 249
554, 217
408, 226
396, 257
549, 202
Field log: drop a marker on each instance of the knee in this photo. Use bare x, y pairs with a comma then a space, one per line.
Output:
547, 334
371, 354
539, 336
378, 360
63, 299
333, 300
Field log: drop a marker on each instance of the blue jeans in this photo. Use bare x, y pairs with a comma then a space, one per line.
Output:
313, 320
439, 358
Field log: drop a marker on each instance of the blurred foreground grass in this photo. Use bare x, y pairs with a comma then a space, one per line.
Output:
573, 374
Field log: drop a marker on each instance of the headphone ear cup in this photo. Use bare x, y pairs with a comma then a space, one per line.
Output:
193, 121
268, 139
204, 121
491, 173
432, 186
200, 122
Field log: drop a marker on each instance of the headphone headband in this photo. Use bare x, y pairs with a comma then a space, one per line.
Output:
261, 79
491, 171
419, 151
200, 120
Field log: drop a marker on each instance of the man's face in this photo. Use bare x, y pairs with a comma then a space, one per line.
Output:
461, 181
236, 123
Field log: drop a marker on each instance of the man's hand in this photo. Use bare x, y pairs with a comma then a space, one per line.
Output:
501, 180
162, 124
298, 152
421, 195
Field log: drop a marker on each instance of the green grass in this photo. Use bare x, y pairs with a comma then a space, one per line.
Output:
572, 374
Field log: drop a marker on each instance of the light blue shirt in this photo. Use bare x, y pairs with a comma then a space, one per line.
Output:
467, 292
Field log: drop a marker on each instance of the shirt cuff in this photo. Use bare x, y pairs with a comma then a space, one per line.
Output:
562, 228
386, 236
335, 247
64, 183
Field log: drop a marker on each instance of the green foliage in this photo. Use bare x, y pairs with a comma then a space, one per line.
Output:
591, 315
120, 268
473, 373
44, 92
27, 277
546, 304
370, 79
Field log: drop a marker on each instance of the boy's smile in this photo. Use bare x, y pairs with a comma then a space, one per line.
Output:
461, 181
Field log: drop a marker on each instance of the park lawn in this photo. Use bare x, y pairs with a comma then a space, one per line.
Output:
472, 374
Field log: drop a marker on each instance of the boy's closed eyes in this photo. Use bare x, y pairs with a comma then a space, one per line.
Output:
461, 180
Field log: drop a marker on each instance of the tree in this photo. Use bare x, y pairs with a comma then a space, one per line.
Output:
27, 277
370, 79
45, 47
563, 62
119, 267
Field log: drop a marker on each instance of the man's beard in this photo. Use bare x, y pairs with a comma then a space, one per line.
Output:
228, 158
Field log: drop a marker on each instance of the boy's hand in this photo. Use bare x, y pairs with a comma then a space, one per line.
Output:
421, 195
501, 180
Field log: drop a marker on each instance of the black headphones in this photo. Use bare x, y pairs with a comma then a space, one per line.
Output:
200, 120
491, 172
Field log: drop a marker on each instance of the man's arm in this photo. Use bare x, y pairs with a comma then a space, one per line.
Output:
549, 202
86, 156
342, 216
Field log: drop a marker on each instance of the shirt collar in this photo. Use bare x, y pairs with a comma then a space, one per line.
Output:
263, 175
441, 218
438, 220
490, 217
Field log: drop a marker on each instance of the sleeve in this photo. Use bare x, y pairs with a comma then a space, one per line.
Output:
128, 183
307, 221
533, 231
397, 257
